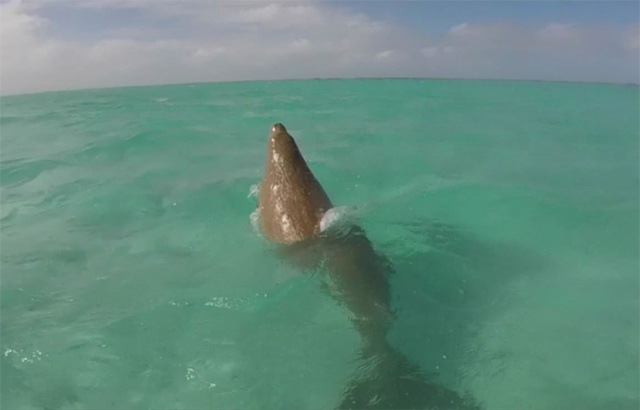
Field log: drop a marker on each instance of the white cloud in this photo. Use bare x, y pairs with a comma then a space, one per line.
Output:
384, 55
273, 40
556, 51
430, 52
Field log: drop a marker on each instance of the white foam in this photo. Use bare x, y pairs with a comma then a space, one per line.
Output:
336, 215
255, 220
221, 303
254, 190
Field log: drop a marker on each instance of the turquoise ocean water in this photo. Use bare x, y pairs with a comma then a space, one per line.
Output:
132, 277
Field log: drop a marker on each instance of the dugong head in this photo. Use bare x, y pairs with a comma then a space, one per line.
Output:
283, 148
291, 200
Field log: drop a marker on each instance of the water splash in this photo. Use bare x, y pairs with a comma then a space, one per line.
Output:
255, 220
253, 191
337, 216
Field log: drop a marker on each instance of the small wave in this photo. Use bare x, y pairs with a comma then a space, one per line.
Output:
253, 114
402, 192
21, 172
9, 119
161, 100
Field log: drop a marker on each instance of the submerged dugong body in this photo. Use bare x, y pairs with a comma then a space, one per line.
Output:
291, 205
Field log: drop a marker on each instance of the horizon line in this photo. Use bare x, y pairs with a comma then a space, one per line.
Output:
522, 80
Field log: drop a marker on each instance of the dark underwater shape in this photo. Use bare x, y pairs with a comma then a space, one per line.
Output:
396, 383
357, 277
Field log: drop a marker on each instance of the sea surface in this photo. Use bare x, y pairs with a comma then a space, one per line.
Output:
132, 277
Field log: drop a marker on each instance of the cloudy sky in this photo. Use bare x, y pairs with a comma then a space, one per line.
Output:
68, 44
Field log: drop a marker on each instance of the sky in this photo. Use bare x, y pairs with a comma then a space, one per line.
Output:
48, 45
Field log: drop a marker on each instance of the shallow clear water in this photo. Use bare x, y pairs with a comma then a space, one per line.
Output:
132, 277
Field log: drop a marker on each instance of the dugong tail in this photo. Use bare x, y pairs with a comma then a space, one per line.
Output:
391, 381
